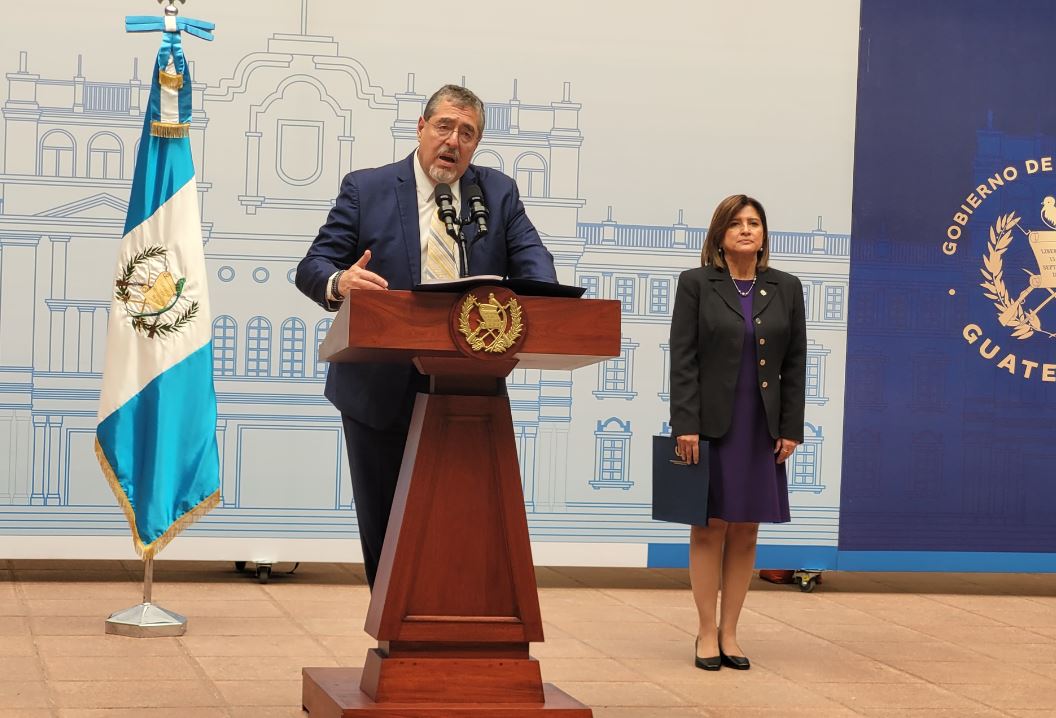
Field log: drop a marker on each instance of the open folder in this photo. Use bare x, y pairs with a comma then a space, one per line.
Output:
680, 490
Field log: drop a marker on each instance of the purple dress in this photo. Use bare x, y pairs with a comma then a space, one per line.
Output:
747, 484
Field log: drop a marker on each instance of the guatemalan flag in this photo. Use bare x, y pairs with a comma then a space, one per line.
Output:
156, 437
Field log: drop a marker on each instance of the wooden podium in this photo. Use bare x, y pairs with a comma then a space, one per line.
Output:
455, 604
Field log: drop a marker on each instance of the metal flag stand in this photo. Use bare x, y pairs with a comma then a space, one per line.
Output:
146, 620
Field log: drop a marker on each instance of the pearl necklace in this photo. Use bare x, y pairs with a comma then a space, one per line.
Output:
746, 292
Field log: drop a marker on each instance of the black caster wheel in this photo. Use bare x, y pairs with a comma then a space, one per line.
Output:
264, 573
807, 585
240, 566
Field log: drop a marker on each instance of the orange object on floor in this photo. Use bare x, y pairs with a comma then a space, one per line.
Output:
776, 576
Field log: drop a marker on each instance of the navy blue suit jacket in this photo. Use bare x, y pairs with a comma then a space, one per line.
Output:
377, 209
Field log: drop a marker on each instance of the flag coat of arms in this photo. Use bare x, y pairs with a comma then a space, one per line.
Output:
156, 433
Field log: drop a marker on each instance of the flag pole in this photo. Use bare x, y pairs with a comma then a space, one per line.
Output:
164, 155
146, 620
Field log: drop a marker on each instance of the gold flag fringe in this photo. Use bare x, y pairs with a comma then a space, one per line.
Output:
170, 130
149, 551
173, 82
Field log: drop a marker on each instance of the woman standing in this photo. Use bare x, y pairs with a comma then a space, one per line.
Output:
738, 376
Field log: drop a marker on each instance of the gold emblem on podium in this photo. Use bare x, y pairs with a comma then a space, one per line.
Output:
490, 326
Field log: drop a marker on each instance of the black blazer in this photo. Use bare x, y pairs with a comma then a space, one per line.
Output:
707, 338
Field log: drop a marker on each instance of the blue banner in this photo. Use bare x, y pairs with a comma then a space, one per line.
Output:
951, 381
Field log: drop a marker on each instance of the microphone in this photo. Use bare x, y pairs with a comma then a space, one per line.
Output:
478, 210
445, 200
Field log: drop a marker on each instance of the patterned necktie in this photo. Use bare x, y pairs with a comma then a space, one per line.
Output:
441, 254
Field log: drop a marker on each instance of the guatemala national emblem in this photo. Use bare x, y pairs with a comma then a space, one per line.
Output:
1021, 316
152, 294
491, 326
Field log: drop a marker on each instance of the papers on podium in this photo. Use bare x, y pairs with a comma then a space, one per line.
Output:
680, 490
525, 287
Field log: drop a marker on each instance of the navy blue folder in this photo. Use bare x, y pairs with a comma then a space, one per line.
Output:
680, 490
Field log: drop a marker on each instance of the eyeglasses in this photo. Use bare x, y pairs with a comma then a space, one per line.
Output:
444, 128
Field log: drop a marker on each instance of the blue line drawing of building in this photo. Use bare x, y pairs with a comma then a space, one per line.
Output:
271, 142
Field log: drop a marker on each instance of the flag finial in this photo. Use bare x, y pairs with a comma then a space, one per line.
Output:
171, 8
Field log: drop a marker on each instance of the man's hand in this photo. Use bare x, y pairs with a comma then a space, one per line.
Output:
359, 277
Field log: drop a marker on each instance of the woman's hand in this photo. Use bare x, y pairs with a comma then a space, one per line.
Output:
687, 448
783, 449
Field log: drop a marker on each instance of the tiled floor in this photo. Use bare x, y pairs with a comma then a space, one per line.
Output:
620, 640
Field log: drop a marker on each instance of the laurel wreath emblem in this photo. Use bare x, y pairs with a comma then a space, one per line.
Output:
151, 326
1010, 313
503, 337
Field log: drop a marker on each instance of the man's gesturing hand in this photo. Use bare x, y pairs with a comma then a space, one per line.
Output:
359, 277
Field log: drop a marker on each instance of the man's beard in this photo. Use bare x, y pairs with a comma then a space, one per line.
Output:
442, 174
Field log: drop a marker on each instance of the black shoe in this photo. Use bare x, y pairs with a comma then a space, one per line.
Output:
708, 664
739, 662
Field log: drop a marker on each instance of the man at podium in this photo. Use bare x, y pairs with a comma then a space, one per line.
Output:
385, 232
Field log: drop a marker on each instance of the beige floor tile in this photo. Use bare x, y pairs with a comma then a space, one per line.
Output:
17, 646
224, 626
133, 694
756, 688
123, 594
1036, 695
67, 625
261, 693
654, 631
817, 709
603, 694
105, 646
557, 670
352, 609
181, 712
981, 712
98, 608
564, 648
21, 668
1042, 669
23, 694
205, 645
788, 650
891, 652
563, 612
879, 631
643, 712
12, 607
645, 649
260, 668
120, 668
7, 587
973, 636
220, 608
668, 670
13, 626
26, 713
266, 712
894, 696
982, 672
834, 670
331, 626
1024, 652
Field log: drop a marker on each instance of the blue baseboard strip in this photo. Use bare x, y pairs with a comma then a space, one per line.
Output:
829, 558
